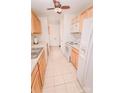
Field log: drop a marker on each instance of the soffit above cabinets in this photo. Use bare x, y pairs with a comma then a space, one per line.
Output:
40, 6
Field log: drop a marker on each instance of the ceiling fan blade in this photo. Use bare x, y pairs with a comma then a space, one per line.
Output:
50, 8
56, 4
65, 7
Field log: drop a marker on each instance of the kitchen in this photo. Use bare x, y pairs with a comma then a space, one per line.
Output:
61, 52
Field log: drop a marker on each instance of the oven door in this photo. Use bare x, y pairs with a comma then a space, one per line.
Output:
68, 52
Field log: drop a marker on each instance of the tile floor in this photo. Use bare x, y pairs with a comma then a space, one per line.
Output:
60, 76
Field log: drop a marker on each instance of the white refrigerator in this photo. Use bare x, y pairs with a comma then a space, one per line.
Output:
85, 61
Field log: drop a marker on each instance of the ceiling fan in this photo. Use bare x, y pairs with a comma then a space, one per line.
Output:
58, 7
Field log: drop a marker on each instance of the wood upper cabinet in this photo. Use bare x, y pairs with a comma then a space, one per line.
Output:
86, 14
37, 86
81, 22
82, 17
89, 12
74, 57
35, 24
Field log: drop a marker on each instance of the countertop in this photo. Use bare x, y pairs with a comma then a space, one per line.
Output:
35, 61
40, 44
76, 46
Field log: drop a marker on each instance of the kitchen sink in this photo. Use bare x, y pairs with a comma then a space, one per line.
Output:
35, 52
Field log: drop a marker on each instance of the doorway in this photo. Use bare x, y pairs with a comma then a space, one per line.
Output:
54, 35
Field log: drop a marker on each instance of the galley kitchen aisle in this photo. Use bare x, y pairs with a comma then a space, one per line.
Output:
61, 51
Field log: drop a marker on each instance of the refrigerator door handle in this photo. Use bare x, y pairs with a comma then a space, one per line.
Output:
83, 51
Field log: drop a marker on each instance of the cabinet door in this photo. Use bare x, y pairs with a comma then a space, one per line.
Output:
32, 23
74, 62
36, 24
42, 66
39, 25
73, 58
89, 12
37, 87
34, 74
76, 58
82, 17
81, 22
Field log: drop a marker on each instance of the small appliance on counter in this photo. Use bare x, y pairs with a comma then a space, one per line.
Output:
35, 40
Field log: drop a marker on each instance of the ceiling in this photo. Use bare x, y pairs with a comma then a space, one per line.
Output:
40, 6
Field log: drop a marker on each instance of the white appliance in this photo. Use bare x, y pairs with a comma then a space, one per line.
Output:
84, 70
68, 49
68, 52
35, 40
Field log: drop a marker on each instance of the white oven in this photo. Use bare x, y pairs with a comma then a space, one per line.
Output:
68, 52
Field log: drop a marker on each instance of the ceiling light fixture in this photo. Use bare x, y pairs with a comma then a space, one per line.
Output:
58, 10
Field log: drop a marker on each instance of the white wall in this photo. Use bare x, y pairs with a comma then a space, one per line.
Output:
61, 26
54, 34
65, 30
44, 26
62, 32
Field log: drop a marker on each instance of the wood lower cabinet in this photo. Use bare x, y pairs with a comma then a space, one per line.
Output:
37, 77
34, 74
74, 57
37, 86
42, 66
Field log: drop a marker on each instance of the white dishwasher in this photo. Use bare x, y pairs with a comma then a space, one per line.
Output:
68, 52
